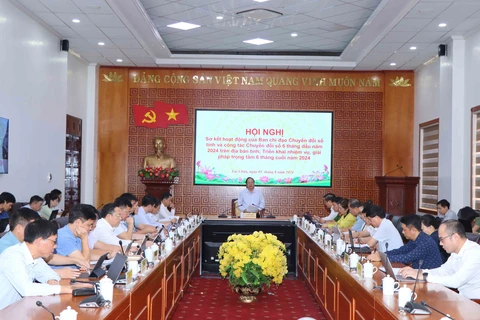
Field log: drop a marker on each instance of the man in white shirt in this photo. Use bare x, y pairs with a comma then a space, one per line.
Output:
144, 216
250, 199
165, 215
22, 264
35, 204
111, 217
125, 229
462, 269
328, 201
387, 236
444, 211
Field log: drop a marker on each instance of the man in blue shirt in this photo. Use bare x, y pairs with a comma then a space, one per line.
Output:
18, 222
73, 238
250, 199
420, 247
6, 202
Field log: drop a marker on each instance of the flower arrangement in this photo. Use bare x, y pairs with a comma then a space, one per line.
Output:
253, 260
158, 173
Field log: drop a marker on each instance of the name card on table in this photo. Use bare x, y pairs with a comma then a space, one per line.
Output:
360, 269
249, 215
155, 256
129, 278
335, 248
144, 266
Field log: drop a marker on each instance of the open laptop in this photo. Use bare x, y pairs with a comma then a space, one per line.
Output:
393, 272
97, 271
116, 268
53, 215
360, 248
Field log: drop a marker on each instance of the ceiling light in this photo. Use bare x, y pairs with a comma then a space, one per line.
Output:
393, 64
413, 48
219, 17
76, 21
119, 60
183, 26
294, 34
258, 41
442, 25
101, 43
260, 1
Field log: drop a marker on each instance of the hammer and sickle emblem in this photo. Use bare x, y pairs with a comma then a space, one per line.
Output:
150, 117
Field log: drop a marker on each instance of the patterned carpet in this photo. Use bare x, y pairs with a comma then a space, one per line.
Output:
213, 299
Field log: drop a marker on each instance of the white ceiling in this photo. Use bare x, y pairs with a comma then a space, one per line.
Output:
357, 34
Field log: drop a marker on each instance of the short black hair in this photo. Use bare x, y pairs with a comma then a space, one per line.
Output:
23, 216
354, 203
35, 198
375, 211
107, 209
412, 220
129, 196
8, 197
429, 220
246, 180
123, 202
157, 202
165, 195
39, 229
444, 203
455, 226
337, 199
329, 197
83, 212
148, 200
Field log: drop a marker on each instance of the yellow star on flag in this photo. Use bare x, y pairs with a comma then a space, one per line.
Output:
172, 115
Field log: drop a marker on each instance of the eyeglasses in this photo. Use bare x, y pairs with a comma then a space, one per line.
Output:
53, 241
440, 239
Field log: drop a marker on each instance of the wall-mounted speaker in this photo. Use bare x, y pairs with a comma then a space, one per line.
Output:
64, 45
442, 50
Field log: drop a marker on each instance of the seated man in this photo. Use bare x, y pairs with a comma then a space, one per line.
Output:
387, 236
125, 229
35, 203
6, 202
73, 238
250, 199
444, 211
328, 201
356, 207
145, 216
462, 269
420, 247
165, 215
142, 228
22, 264
111, 217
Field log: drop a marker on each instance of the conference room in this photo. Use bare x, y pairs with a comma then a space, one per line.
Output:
365, 99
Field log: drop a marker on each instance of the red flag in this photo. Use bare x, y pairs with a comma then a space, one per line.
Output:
171, 113
148, 117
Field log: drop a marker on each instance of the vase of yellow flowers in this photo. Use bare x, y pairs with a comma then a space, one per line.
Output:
251, 261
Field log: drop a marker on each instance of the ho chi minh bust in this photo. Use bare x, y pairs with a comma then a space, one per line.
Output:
159, 159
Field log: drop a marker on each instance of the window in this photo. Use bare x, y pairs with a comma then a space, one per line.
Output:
429, 134
475, 158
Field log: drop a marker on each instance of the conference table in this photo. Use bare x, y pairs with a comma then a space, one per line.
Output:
340, 293
153, 296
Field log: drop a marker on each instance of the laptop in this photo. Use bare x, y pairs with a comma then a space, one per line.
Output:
361, 248
53, 215
393, 272
129, 247
142, 246
336, 233
97, 271
116, 268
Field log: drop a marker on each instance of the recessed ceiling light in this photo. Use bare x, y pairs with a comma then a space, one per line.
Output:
183, 26
393, 64
260, 0
294, 34
76, 21
119, 60
258, 41
219, 17
442, 25
413, 48
101, 43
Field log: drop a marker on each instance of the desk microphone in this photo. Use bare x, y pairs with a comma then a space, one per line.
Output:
415, 307
121, 246
423, 303
270, 216
223, 215
40, 304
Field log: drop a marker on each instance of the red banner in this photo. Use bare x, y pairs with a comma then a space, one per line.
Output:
161, 115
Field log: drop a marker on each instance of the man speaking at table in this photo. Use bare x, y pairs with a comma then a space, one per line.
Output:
250, 199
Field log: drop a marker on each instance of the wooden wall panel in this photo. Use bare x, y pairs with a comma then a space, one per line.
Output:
398, 124
358, 150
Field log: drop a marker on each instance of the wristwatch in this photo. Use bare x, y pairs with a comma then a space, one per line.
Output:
425, 275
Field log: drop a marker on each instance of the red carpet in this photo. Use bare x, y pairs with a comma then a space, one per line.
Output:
214, 299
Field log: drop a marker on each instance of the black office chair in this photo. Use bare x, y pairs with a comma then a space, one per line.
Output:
475, 237
467, 224
398, 225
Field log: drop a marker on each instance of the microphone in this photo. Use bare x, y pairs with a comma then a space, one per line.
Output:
100, 207
397, 168
223, 215
40, 304
386, 248
415, 307
270, 216
423, 303
121, 246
